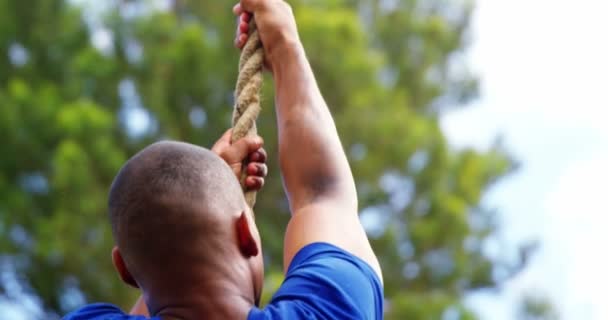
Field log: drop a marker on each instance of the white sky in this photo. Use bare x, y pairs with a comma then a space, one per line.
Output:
544, 69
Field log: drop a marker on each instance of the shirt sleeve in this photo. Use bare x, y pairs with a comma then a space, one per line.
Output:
326, 282
101, 311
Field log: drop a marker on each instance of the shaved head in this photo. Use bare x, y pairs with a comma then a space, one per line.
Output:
173, 205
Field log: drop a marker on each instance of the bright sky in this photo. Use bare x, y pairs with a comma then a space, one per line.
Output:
544, 70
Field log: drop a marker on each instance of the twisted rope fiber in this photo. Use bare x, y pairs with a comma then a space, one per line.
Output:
247, 96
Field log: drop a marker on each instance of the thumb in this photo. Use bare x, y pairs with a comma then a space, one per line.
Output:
223, 143
225, 139
241, 149
252, 5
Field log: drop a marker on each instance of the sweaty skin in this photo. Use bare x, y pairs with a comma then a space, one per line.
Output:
317, 177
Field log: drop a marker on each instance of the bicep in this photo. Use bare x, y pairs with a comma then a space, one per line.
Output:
328, 222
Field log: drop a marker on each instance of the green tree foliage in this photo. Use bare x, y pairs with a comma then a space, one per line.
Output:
536, 306
84, 87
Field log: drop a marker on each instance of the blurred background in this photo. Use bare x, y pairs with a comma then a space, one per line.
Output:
475, 130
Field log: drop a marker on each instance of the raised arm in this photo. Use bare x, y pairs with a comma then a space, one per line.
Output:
316, 173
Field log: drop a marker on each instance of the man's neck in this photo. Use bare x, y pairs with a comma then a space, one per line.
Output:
213, 299
212, 307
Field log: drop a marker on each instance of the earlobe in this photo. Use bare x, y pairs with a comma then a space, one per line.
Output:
246, 241
121, 268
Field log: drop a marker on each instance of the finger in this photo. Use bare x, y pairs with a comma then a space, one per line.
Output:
246, 16
257, 169
244, 27
241, 149
254, 183
242, 40
258, 156
237, 9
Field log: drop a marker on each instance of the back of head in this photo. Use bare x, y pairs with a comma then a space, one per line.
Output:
172, 208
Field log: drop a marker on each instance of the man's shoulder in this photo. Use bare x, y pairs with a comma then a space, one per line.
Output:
326, 282
322, 253
102, 311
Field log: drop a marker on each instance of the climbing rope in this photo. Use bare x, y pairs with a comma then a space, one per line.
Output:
247, 96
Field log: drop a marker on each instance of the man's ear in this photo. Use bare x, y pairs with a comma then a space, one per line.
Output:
246, 241
121, 268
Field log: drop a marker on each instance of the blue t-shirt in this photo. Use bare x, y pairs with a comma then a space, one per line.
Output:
322, 282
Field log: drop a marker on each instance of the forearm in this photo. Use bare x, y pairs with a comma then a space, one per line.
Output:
312, 159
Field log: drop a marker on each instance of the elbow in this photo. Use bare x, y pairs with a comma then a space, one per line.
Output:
328, 188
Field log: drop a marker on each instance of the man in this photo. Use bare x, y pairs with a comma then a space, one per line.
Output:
187, 239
